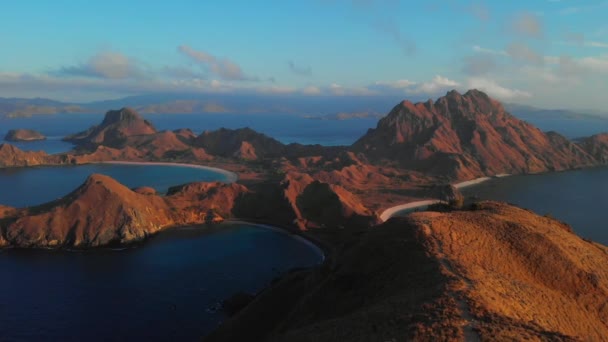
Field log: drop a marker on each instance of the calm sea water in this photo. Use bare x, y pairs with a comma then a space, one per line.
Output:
579, 198
30, 186
285, 128
169, 289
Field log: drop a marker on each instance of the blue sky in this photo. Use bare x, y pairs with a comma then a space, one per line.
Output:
549, 53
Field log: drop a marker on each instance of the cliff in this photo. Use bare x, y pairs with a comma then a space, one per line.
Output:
466, 136
494, 272
23, 135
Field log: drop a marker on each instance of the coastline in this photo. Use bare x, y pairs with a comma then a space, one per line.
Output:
388, 213
315, 244
231, 177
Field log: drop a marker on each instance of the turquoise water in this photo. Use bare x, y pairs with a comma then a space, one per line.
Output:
579, 197
30, 186
169, 289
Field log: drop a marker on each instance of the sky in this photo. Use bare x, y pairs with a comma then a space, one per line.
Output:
546, 53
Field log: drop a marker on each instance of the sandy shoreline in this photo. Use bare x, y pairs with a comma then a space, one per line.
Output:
388, 213
471, 182
231, 177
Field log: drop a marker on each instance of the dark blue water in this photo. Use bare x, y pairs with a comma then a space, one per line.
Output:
570, 128
285, 128
579, 198
166, 290
30, 186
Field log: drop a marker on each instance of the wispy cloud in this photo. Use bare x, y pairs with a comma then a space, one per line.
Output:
221, 67
392, 30
437, 84
480, 11
523, 53
528, 24
299, 70
496, 90
480, 49
106, 65
479, 64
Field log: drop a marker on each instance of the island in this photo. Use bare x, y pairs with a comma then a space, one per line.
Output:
484, 270
23, 135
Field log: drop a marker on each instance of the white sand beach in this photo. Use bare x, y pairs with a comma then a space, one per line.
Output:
388, 213
471, 182
231, 177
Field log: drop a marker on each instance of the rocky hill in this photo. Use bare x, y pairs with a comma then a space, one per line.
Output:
243, 143
466, 136
493, 272
11, 156
102, 212
116, 127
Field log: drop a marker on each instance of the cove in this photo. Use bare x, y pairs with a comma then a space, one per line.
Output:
170, 288
36, 185
577, 197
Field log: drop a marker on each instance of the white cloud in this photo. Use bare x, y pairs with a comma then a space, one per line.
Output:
399, 84
437, 84
107, 64
594, 64
480, 49
528, 24
522, 52
222, 67
496, 90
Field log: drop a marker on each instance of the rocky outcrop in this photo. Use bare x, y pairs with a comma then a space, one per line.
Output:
215, 199
103, 212
467, 136
23, 135
100, 212
116, 127
495, 272
242, 143
11, 156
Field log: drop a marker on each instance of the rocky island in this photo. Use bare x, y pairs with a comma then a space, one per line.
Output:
488, 270
23, 135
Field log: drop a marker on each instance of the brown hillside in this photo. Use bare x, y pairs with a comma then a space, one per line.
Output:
467, 136
493, 273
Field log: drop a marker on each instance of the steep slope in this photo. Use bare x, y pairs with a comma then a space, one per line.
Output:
102, 211
99, 212
11, 156
495, 272
597, 146
115, 128
466, 136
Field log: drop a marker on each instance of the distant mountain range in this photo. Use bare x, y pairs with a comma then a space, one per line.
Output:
196, 103
527, 112
318, 108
